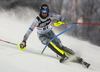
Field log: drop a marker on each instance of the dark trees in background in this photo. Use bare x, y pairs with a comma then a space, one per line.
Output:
84, 11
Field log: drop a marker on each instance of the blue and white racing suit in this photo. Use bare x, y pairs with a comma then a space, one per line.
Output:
44, 29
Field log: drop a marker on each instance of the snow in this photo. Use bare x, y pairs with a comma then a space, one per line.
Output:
12, 59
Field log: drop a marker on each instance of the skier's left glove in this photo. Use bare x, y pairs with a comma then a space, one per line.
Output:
61, 19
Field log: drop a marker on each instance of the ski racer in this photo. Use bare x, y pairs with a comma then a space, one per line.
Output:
44, 31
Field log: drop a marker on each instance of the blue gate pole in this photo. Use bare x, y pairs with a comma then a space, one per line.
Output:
57, 36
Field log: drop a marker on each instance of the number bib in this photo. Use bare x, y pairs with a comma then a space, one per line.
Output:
45, 29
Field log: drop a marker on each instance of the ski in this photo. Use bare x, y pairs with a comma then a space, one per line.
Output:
63, 59
87, 65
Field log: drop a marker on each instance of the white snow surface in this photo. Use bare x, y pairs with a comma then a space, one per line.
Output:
12, 59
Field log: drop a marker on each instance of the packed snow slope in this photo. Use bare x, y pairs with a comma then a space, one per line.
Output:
12, 59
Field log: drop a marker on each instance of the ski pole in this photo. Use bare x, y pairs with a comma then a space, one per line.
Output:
56, 24
57, 36
13, 44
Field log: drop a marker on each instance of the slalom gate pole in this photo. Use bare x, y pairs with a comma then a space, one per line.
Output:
57, 36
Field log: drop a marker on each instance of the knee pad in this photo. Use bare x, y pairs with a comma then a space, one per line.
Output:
45, 41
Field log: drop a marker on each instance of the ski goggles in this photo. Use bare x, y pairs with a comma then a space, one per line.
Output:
44, 11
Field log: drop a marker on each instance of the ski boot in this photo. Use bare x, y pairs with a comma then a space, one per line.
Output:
63, 58
83, 62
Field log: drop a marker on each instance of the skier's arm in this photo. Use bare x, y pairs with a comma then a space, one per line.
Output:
27, 34
31, 28
57, 17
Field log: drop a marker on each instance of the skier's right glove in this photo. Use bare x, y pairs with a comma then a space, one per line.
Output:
23, 45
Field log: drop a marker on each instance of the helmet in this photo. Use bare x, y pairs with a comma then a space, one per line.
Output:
44, 8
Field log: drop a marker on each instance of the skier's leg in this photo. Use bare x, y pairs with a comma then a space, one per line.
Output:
44, 39
58, 43
61, 48
53, 47
67, 50
58, 51
70, 53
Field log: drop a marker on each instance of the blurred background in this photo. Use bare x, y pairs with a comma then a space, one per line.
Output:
83, 11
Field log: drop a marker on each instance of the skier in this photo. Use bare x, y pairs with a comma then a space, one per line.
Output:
44, 30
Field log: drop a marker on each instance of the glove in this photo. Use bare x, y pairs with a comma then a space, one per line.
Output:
23, 44
61, 19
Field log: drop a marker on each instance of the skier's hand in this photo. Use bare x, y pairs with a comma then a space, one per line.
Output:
23, 44
56, 24
61, 19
